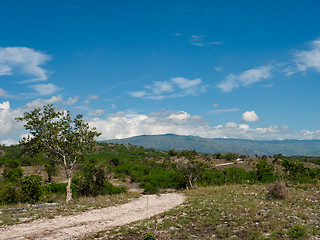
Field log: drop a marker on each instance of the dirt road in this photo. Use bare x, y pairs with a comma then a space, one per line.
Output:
75, 226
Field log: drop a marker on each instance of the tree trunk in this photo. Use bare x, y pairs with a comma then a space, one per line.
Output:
69, 190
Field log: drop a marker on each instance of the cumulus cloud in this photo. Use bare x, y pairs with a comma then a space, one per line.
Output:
22, 60
246, 78
249, 116
45, 89
176, 87
123, 125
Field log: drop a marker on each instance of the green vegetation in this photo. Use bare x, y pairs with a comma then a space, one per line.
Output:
232, 212
230, 196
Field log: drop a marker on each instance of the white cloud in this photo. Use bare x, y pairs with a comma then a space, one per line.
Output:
198, 40
138, 94
221, 111
97, 112
91, 97
40, 102
246, 78
249, 116
8, 142
305, 59
123, 125
45, 89
176, 87
72, 100
160, 87
184, 83
3, 93
22, 60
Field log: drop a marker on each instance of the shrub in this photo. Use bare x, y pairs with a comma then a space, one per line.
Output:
111, 189
277, 190
10, 193
12, 172
149, 188
296, 231
149, 236
265, 171
31, 188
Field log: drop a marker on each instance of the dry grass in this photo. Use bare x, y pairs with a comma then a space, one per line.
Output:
231, 212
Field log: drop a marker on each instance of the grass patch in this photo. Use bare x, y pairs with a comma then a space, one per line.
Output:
232, 212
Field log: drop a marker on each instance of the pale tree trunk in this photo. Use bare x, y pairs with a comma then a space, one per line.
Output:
69, 190
69, 174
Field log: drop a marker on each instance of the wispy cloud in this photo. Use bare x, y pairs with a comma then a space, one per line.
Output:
245, 78
3, 93
45, 89
305, 59
176, 87
72, 100
199, 40
25, 61
221, 111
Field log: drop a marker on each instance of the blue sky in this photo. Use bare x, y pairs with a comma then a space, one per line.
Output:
216, 69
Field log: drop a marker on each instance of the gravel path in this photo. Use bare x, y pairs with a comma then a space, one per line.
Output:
75, 226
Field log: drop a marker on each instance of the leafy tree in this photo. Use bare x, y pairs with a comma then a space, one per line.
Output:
265, 171
31, 188
12, 172
231, 156
56, 133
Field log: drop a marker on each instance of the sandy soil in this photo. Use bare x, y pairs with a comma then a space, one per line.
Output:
75, 226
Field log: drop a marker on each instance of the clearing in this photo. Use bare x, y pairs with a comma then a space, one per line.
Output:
86, 223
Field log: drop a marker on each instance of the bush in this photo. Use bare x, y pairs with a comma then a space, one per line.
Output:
149, 236
149, 188
111, 189
31, 188
10, 193
277, 190
296, 232
12, 172
265, 171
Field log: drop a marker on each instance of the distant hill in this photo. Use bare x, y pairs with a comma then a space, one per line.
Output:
214, 145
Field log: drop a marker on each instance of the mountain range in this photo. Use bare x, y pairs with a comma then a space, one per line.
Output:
219, 145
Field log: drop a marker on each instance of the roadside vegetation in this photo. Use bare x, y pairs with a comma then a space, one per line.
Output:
230, 195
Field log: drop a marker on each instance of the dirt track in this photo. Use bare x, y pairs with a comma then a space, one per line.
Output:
75, 226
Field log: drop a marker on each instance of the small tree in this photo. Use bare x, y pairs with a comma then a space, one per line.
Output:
56, 133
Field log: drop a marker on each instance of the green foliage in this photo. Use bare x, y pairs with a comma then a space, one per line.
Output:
149, 236
294, 171
12, 172
111, 189
10, 193
51, 168
149, 188
31, 188
89, 181
230, 156
265, 171
296, 231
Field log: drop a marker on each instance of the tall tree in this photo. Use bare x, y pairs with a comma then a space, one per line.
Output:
56, 133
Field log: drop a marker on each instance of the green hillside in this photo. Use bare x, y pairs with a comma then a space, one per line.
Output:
214, 145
